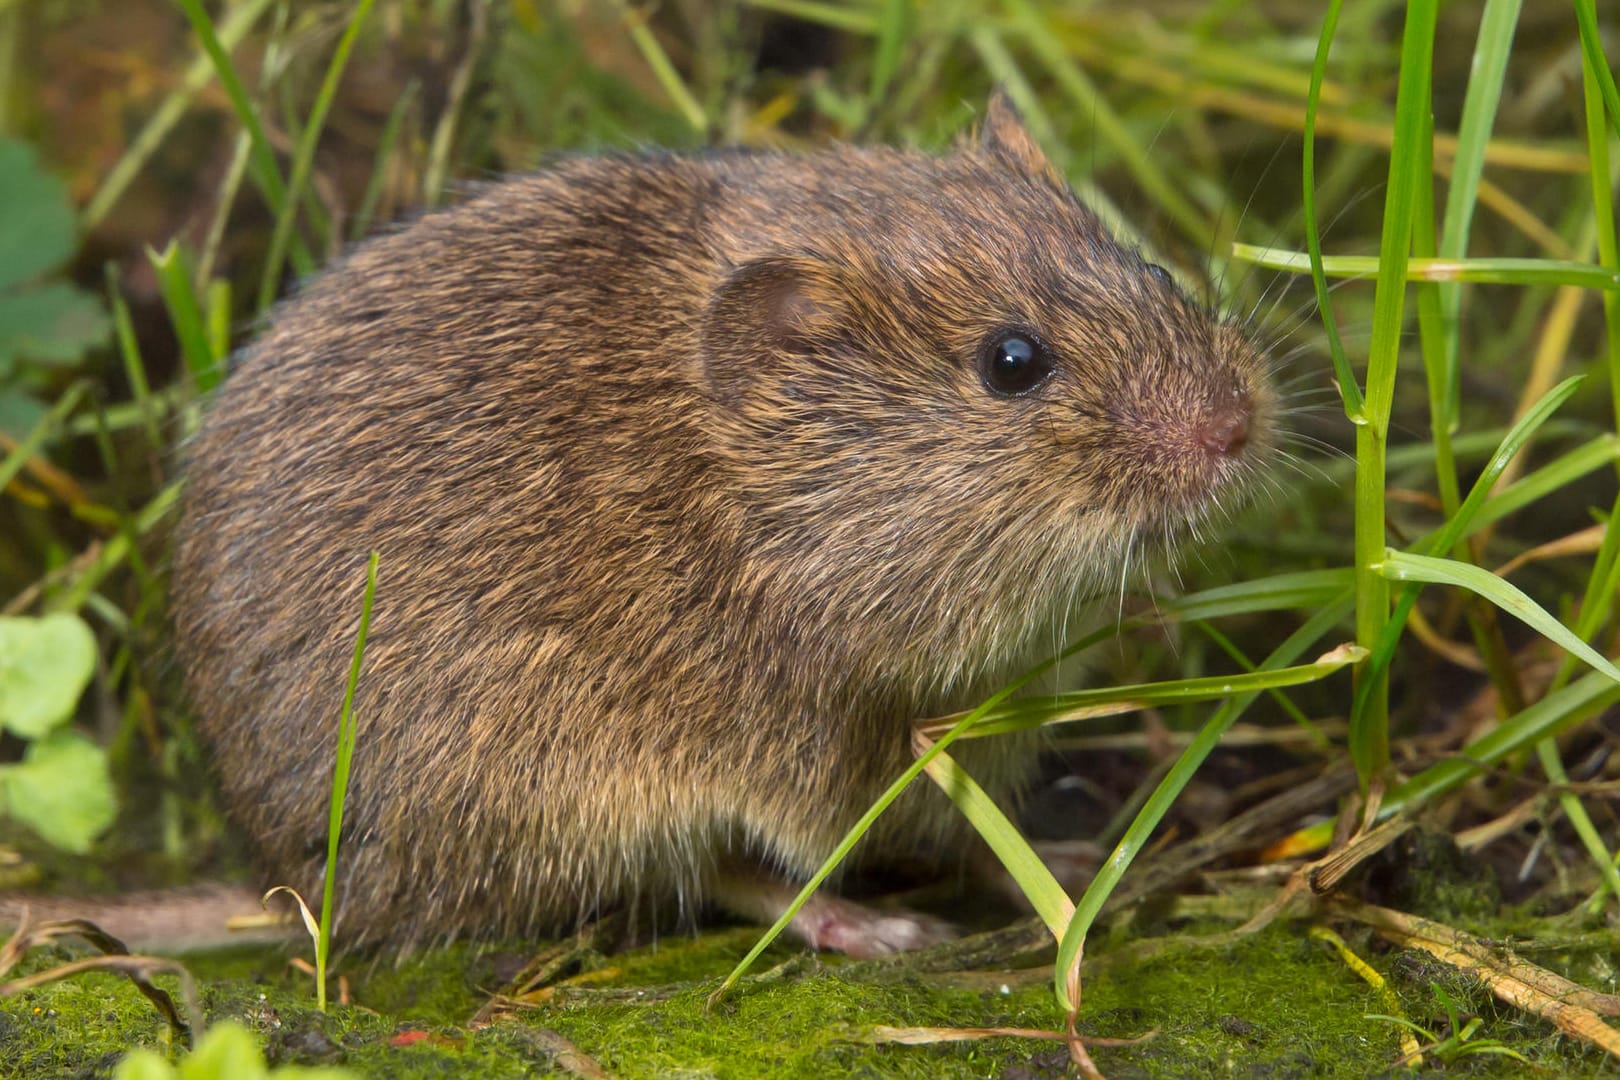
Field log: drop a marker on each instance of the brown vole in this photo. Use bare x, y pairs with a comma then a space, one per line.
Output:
695, 481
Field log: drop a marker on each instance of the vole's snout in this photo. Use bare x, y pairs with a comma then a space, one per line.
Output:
1224, 432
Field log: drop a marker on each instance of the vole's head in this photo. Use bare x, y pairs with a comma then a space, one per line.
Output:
952, 379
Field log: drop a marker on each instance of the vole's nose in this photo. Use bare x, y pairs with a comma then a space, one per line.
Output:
1225, 432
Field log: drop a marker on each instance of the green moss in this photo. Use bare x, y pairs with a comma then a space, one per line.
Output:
1276, 1004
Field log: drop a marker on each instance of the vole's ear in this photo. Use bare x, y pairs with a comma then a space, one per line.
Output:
1004, 135
768, 308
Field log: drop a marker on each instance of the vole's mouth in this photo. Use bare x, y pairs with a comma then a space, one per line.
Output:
1187, 465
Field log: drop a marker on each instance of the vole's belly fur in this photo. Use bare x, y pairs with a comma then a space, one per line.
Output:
578, 688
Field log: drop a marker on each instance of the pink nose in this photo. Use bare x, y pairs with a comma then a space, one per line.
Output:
1226, 432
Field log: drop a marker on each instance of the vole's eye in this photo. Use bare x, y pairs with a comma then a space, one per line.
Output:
1160, 273
1014, 363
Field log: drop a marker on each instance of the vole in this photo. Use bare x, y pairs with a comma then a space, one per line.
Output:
695, 480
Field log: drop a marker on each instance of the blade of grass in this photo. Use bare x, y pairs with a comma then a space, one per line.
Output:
1349, 388
1447, 538
1304, 589
1570, 803
41, 433
663, 69
1492, 47
1369, 739
367, 209
304, 156
186, 315
1038, 36
1404, 566
115, 551
1556, 474
1284, 702
892, 792
1596, 61
1141, 830
838, 17
1598, 600
1603, 580
340, 782
1034, 880
1558, 711
896, 22
129, 351
1491, 271
858, 830
235, 27
218, 317
1004, 70
1432, 337
261, 158
435, 177
1026, 713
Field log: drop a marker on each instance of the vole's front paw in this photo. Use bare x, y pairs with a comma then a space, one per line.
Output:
839, 925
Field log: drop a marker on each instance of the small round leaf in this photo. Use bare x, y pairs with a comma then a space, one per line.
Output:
62, 790
45, 664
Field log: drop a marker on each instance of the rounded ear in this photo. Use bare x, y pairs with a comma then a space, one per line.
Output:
767, 309
1004, 135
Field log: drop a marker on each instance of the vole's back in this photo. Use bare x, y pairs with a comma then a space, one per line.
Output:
692, 488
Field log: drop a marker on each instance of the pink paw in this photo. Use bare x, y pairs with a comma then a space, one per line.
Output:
833, 923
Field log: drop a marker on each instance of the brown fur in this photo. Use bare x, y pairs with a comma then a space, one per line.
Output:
689, 498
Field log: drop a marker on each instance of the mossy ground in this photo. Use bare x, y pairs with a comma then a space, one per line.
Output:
1277, 1004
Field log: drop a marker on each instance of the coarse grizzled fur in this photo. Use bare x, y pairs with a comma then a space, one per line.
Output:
690, 496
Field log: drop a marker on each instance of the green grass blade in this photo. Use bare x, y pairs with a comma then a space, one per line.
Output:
262, 158
41, 433
663, 70
186, 314
1304, 589
1284, 702
859, 829
1518, 435
896, 22
1596, 61
1026, 713
1110, 126
361, 226
235, 27
1558, 711
1492, 47
115, 551
1034, 880
1004, 70
1447, 537
1147, 820
1556, 474
340, 782
304, 156
129, 351
1369, 733
1579, 819
1431, 340
1492, 271
1405, 174
1349, 388
1402, 566
851, 20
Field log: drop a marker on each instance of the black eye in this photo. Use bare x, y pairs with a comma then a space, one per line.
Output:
1014, 363
1159, 272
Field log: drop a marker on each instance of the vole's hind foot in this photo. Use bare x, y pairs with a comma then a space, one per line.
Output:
829, 922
